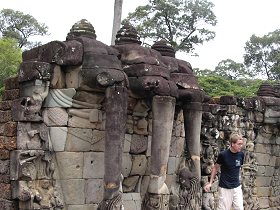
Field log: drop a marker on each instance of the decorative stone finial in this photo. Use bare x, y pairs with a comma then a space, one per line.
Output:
127, 35
81, 28
164, 48
267, 89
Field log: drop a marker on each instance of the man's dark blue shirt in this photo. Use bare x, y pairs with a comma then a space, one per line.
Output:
230, 168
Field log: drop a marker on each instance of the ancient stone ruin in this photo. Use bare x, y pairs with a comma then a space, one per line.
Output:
87, 126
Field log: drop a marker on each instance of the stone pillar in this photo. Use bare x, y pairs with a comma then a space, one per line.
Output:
192, 123
116, 111
157, 196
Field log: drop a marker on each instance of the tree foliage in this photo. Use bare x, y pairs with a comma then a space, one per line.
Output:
231, 70
20, 26
219, 86
262, 55
183, 23
10, 58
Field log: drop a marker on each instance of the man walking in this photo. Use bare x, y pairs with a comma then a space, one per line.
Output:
230, 161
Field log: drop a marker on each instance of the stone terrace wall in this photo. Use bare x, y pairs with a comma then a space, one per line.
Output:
257, 119
53, 132
58, 159
8, 138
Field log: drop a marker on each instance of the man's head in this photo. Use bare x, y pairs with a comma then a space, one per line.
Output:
236, 142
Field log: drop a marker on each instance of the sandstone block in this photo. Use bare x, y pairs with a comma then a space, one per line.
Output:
58, 137
5, 116
55, 116
60, 98
93, 165
73, 191
69, 165
94, 190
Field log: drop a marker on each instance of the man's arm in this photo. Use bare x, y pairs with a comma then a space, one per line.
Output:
214, 171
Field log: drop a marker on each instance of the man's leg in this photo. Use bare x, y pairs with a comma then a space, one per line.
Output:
225, 199
237, 199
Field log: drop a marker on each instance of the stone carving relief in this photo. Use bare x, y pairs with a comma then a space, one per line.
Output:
121, 102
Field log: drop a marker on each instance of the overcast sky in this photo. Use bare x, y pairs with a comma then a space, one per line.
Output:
237, 21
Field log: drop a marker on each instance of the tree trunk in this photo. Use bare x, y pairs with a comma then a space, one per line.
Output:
117, 19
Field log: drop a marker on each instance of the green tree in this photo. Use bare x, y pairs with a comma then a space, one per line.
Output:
10, 58
20, 26
262, 55
230, 69
203, 72
183, 23
216, 86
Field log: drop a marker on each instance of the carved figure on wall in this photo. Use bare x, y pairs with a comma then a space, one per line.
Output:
249, 172
189, 189
40, 194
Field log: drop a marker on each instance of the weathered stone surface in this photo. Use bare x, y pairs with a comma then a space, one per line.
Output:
26, 109
129, 183
5, 105
58, 137
5, 192
32, 70
126, 164
31, 165
73, 191
60, 98
263, 181
88, 100
127, 143
55, 116
172, 166
73, 76
80, 118
264, 202
139, 165
70, 165
142, 69
61, 53
139, 144
132, 201
36, 89
57, 78
79, 139
4, 154
94, 191
11, 83
93, 165
176, 146
8, 205
8, 143
272, 114
141, 126
10, 129
82, 207
228, 100
144, 185
32, 136
5, 116
5, 171
4, 167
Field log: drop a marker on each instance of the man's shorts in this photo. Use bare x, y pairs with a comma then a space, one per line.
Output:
230, 199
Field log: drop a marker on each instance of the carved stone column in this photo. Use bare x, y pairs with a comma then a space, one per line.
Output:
116, 109
192, 123
157, 196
